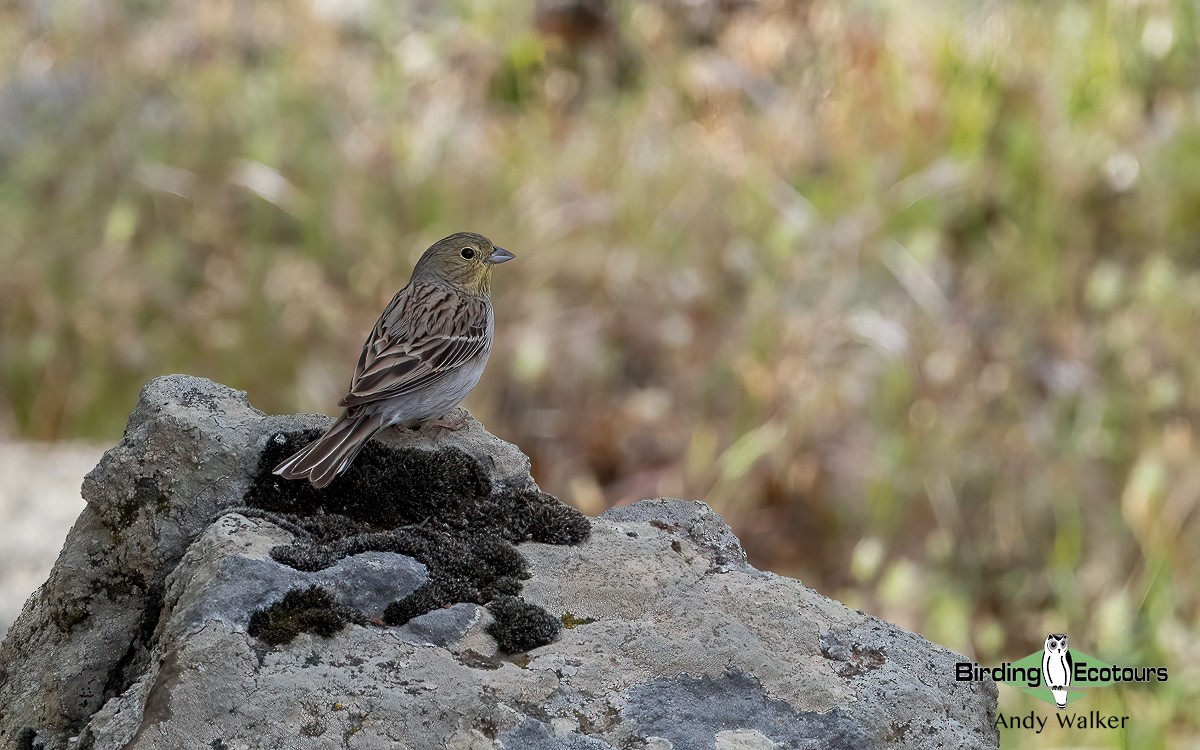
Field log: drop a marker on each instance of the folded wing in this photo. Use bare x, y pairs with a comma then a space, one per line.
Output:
426, 332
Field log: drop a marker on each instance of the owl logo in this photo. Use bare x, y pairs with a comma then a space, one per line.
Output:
1057, 667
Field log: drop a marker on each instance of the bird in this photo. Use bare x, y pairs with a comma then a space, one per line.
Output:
424, 355
1057, 666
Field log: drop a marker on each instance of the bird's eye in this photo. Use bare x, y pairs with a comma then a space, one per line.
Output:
467, 252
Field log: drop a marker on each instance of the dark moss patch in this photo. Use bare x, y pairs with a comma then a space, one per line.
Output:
133, 662
384, 487
25, 739
388, 487
310, 610
520, 626
439, 507
478, 557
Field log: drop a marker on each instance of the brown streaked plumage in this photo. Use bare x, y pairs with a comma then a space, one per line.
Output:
424, 355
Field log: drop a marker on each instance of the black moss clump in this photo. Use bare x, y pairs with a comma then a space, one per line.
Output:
478, 556
520, 626
430, 482
310, 610
26, 738
437, 506
388, 487
528, 515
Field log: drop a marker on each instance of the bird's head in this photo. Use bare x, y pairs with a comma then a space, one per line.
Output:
463, 260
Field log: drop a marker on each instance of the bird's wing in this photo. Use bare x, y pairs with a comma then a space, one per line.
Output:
426, 331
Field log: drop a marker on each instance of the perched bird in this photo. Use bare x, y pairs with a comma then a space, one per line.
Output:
424, 355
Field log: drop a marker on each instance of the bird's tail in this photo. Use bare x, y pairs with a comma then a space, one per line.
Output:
322, 460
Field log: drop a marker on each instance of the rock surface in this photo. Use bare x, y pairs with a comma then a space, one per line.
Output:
139, 638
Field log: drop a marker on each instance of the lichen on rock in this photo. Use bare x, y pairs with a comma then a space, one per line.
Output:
432, 597
438, 507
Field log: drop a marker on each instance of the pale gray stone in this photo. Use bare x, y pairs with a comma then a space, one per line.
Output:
189, 452
139, 638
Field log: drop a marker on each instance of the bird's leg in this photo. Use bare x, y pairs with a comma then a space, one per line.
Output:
448, 422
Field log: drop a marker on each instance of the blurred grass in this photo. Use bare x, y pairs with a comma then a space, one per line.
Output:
910, 294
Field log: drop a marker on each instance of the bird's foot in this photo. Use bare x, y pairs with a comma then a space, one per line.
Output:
452, 422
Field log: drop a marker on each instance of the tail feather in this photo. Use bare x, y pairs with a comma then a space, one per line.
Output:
325, 458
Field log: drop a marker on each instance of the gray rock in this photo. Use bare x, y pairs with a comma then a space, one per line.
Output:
531, 734
687, 520
189, 452
139, 639
245, 578
371, 581
443, 627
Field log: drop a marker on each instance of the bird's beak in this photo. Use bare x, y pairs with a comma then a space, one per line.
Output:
500, 255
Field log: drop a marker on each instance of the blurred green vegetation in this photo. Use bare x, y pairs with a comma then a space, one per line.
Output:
909, 292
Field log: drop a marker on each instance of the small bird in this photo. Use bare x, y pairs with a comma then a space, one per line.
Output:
424, 355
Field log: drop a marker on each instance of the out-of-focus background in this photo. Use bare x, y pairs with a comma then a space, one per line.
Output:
909, 292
